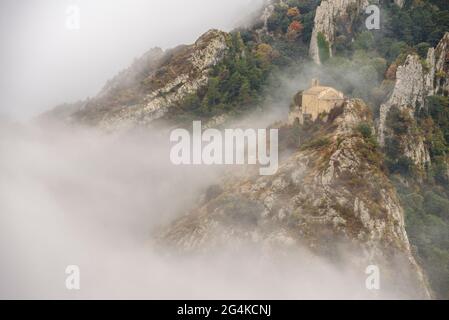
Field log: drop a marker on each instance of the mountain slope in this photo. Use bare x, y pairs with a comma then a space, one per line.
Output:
329, 195
152, 85
338, 185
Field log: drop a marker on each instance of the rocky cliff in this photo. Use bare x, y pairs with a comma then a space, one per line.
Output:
327, 15
416, 79
440, 68
409, 93
328, 195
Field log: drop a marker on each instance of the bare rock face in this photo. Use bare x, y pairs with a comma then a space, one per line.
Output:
266, 14
442, 66
417, 151
411, 86
415, 80
326, 18
409, 93
154, 83
329, 195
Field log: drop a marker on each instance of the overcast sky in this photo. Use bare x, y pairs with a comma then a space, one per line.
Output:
44, 63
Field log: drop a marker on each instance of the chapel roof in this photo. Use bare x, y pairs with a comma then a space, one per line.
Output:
317, 89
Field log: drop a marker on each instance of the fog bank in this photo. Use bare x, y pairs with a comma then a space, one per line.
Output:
45, 63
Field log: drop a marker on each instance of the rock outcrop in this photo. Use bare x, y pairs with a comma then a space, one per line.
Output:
417, 79
329, 195
266, 14
326, 17
411, 88
153, 84
441, 69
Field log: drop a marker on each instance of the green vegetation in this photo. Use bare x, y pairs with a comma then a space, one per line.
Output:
361, 62
323, 47
414, 29
421, 22
365, 130
369, 148
363, 65
434, 119
280, 21
426, 204
317, 143
400, 122
290, 32
236, 83
427, 223
438, 108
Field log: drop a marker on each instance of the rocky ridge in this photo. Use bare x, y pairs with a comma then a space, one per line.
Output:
152, 85
330, 194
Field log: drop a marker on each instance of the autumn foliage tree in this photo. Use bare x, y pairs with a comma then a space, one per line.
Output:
294, 30
266, 53
293, 12
296, 26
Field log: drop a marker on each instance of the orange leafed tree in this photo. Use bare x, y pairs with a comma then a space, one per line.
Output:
294, 30
296, 26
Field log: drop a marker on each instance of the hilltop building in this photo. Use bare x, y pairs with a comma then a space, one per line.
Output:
310, 103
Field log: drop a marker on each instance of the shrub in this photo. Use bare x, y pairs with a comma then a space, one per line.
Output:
323, 47
365, 130
437, 205
317, 143
236, 83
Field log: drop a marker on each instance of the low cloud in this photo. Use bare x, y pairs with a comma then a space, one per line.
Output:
71, 196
